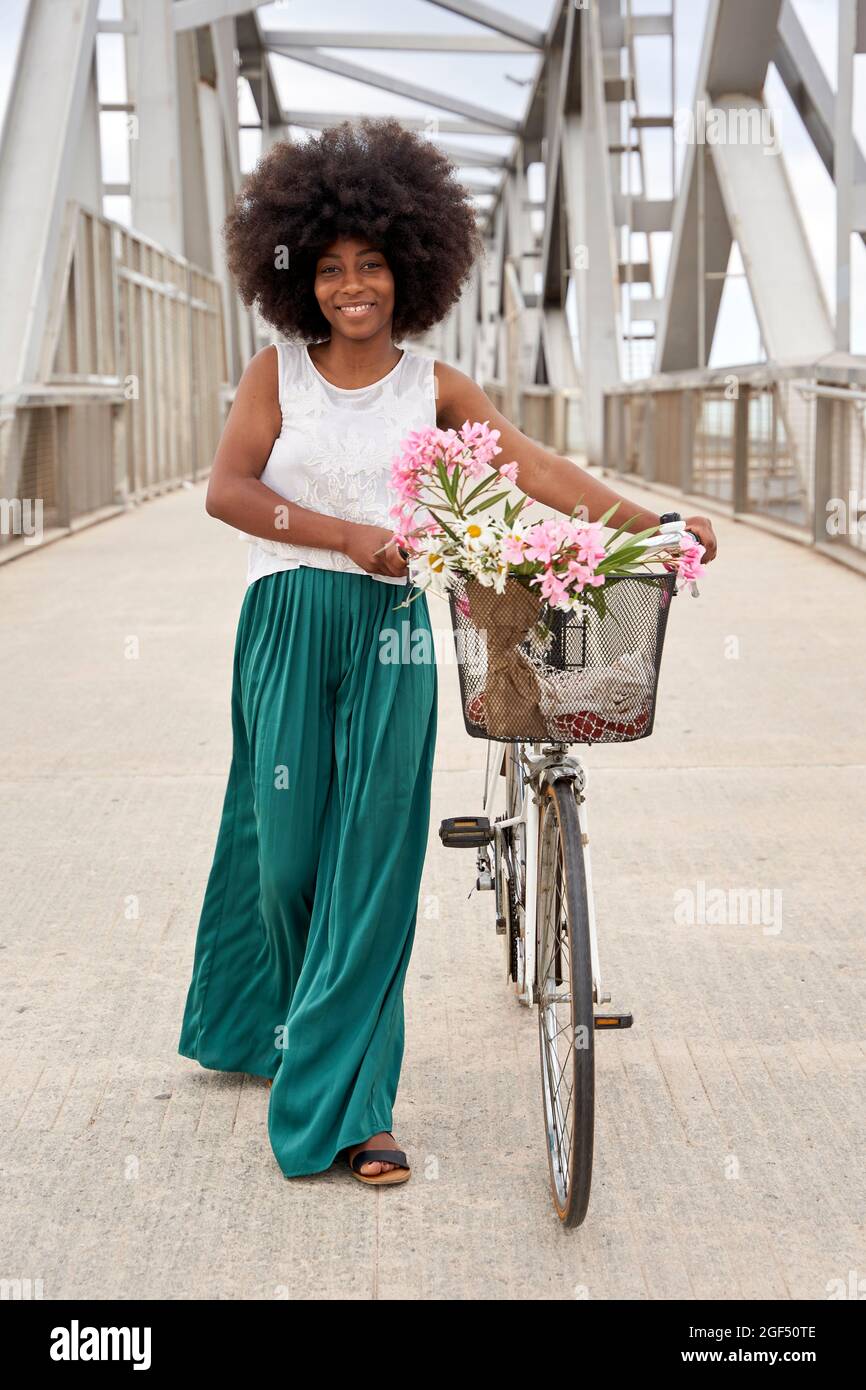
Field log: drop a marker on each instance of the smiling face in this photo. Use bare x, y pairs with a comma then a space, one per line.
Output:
355, 288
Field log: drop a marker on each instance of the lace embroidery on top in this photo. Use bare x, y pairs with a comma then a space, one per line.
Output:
334, 451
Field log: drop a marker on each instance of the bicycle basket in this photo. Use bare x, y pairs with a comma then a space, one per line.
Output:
536, 673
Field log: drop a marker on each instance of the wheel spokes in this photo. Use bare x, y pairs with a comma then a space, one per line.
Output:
556, 1003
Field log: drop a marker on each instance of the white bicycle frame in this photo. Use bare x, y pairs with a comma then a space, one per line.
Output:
539, 766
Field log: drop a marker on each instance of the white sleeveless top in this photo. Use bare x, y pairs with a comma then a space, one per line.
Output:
334, 451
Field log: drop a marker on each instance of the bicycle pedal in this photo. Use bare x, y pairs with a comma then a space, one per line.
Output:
464, 832
609, 1020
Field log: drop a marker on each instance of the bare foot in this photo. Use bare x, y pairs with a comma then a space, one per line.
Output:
383, 1140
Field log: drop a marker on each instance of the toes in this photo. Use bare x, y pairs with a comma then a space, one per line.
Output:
375, 1166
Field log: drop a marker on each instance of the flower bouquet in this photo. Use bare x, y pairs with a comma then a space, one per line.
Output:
560, 626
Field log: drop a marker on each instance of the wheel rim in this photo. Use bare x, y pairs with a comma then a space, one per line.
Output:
556, 1008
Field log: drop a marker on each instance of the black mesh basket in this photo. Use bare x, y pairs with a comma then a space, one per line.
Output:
539, 674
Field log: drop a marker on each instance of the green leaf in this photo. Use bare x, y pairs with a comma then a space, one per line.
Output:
448, 487
630, 552
485, 483
488, 502
512, 512
445, 527
619, 530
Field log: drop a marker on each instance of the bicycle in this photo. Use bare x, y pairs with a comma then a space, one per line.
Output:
541, 875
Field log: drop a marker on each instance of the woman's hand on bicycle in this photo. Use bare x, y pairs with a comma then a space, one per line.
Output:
702, 528
374, 550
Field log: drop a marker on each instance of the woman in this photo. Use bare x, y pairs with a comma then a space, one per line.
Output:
347, 245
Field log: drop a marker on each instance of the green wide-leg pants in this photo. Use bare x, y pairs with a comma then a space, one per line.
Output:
309, 912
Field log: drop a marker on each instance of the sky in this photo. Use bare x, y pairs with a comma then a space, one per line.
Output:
500, 82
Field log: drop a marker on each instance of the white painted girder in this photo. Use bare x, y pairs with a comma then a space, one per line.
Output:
445, 125
197, 230
222, 34
497, 20
37, 161
739, 42
389, 82
678, 334
808, 87
405, 42
194, 14
843, 144
762, 213
592, 249
155, 169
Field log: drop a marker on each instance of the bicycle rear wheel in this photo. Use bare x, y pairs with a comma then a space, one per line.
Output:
565, 1005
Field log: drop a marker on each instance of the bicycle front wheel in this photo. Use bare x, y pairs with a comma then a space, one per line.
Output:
565, 1005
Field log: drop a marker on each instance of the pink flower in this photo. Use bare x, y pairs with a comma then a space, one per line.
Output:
551, 586
513, 550
579, 576
689, 565
590, 544
461, 603
481, 440
450, 449
543, 541
405, 483
465, 455
402, 514
509, 471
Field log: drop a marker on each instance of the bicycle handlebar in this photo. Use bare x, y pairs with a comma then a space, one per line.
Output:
672, 534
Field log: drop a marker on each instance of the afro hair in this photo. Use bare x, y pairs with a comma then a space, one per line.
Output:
371, 179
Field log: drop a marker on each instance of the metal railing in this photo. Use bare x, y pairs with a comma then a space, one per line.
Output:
131, 397
783, 444
553, 417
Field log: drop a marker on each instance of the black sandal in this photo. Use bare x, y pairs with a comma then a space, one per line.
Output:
391, 1175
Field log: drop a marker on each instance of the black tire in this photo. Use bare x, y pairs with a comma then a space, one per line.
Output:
566, 1027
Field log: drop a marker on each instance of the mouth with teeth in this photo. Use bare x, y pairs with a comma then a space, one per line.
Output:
354, 310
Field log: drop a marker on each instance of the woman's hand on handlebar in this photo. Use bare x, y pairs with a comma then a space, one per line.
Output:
702, 528
374, 550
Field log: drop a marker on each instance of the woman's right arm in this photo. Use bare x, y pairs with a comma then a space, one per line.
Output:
237, 496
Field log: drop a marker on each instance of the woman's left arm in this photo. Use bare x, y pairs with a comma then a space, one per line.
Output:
550, 478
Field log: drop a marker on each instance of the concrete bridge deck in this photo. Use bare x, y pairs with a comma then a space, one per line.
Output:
729, 1120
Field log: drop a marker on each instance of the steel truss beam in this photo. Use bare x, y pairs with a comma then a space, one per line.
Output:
447, 125
45, 121
592, 251
404, 42
196, 14
495, 19
388, 82
735, 182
